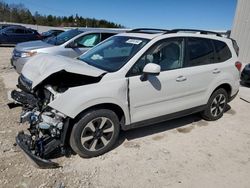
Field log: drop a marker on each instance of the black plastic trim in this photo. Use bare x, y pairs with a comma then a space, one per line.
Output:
36, 161
194, 30
164, 118
147, 30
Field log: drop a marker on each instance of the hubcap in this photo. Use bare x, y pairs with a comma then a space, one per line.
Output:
97, 133
218, 105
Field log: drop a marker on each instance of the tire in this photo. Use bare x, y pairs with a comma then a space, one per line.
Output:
216, 105
95, 133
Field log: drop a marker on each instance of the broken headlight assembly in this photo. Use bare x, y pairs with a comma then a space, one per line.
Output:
47, 127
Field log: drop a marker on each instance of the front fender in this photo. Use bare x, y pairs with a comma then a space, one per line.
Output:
77, 99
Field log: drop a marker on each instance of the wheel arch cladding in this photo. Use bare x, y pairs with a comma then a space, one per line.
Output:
225, 86
109, 106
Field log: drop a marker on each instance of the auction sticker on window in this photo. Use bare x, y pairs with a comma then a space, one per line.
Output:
133, 41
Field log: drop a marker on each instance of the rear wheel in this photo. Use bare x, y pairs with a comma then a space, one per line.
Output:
95, 133
216, 105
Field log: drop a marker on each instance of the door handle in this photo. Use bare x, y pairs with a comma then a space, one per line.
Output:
181, 78
216, 71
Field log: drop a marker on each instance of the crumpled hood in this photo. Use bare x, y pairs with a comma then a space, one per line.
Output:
32, 45
42, 66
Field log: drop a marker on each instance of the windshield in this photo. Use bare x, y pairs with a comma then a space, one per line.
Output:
114, 53
63, 37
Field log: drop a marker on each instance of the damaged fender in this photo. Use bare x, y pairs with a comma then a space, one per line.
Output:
93, 94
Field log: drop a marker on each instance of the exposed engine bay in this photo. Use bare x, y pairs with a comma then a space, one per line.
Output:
48, 128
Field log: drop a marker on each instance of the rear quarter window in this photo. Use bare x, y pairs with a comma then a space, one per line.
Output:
200, 52
223, 53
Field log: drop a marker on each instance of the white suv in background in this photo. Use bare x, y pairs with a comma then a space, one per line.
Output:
133, 79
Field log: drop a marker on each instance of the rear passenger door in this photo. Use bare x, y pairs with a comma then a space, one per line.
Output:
200, 70
20, 35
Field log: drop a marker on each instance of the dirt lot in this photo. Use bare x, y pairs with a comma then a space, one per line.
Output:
187, 152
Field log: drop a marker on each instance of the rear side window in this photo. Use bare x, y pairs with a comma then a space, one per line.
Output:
29, 31
200, 52
222, 51
107, 35
19, 31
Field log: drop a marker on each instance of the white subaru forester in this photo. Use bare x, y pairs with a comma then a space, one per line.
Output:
133, 79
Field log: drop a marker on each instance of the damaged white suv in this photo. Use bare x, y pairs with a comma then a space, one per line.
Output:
133, 79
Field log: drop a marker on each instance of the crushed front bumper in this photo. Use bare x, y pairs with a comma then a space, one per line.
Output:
23, 141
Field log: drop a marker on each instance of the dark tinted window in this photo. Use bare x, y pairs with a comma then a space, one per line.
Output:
200, 51
107, 35
222, 51
29, 31
19, 31
64, 37
10, 30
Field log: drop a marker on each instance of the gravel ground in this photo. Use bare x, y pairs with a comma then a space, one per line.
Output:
188, 152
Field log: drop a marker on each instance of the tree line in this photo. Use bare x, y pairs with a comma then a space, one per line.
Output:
20, 14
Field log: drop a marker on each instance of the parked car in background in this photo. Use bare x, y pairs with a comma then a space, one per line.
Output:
71, 43
2, 26
16, 34
245, 75
133, 79
51, 33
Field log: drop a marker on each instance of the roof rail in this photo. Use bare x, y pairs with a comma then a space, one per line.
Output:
194, 30
147, 30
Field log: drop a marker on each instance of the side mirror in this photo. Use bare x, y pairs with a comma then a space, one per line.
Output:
72, 45
150, 69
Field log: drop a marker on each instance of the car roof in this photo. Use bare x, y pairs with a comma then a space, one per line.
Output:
106, 30
147, 34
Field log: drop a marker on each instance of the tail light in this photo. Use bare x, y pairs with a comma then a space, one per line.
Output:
238, 65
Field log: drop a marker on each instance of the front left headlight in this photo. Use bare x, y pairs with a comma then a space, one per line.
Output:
27, 54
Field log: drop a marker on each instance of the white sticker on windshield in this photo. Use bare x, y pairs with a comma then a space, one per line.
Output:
96, 57
133, 41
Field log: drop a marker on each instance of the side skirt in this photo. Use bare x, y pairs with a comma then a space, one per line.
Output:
163, 118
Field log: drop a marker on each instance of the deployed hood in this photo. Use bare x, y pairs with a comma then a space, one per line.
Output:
42, 66
32, 45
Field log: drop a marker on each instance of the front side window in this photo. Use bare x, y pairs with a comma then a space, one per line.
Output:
10, 31
89, 40
112, 54
169, 54
222, 51
200, 51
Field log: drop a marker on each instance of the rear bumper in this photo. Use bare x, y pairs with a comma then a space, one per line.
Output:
22, 141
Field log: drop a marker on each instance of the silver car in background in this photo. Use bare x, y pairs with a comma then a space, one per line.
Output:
71, 43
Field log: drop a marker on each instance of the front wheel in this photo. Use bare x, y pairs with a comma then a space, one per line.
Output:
216, 105
95, 133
